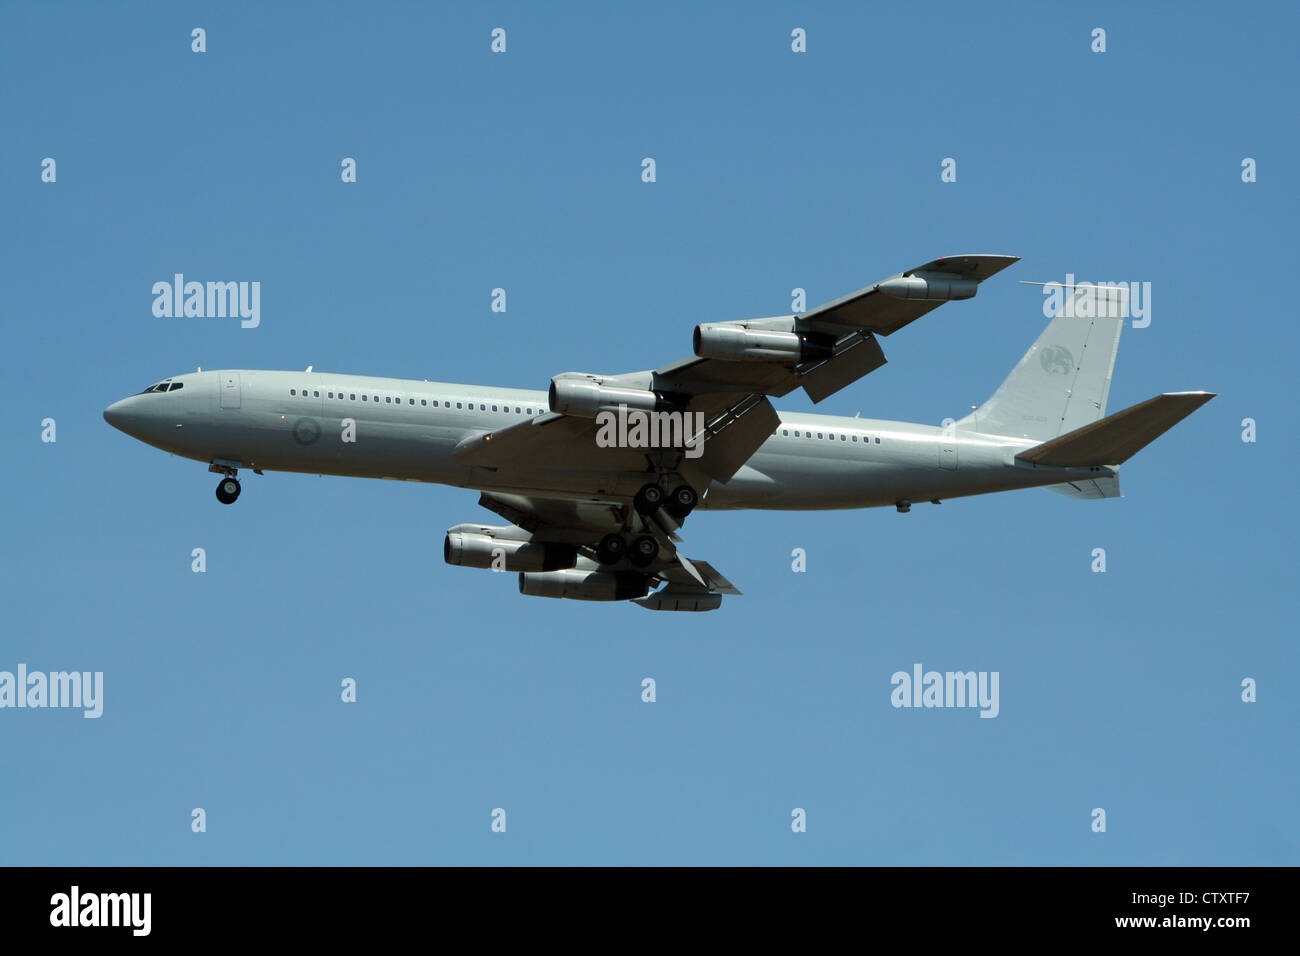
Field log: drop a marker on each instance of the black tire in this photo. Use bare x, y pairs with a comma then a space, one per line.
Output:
682, 501
611, 549
643, 551
227, 491
648, 499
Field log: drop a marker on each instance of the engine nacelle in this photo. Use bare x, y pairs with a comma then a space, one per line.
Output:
934, 288
587, 399
580, 585
734, 344
479, 551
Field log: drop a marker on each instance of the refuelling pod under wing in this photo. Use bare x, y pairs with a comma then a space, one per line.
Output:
470, 550
674, 598
583, 585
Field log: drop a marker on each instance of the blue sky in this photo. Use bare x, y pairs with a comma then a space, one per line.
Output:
775, 170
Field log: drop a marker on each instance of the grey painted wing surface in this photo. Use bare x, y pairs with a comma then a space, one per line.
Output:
881, 308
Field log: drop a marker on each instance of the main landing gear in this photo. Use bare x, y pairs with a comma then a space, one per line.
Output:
614, 547
679, 503
642, 550
227, 490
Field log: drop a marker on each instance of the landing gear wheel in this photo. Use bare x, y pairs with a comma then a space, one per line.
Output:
611, 549
227, 491
648, 499
682, 501
644, 550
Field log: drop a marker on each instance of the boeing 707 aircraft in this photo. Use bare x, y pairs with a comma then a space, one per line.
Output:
596, 476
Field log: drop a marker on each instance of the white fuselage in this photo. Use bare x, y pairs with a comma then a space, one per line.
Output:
407, 430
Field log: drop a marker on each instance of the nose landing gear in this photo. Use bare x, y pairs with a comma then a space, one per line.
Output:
227, 490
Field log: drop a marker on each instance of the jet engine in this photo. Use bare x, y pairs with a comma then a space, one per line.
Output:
587, 399
471, 550
580, 585
734, 344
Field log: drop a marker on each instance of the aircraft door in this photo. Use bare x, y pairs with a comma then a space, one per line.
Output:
948, 446
229, 389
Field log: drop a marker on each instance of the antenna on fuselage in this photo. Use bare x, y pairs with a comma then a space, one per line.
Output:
309, 368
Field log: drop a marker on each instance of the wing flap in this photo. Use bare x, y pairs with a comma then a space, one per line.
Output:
862, 356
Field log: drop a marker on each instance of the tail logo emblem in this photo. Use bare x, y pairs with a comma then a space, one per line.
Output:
1057, 360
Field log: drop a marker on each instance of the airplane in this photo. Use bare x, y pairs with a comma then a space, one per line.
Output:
594, 500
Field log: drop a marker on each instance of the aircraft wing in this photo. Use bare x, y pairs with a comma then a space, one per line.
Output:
848, 326
727, 384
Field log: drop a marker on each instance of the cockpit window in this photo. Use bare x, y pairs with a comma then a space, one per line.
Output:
176, 385
160, 387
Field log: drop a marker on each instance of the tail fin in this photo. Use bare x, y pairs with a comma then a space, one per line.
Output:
1064, 379
1119, 437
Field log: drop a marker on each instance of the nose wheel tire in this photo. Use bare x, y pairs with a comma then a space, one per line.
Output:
227, 491
648, 499
643, 551
611, 549
682, 501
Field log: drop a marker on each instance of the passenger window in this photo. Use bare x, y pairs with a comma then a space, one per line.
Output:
482, 408
458, 404
412, 401
388, 399
528, 411
354, 396
317, 394
494, 408
364, 399
785, 432
855, 437
819, 434
375, 397
877, 441
293, 391
844, 438
329, 395
424, 401
518, 410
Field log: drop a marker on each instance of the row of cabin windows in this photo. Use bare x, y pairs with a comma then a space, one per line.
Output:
388, 399
866, 439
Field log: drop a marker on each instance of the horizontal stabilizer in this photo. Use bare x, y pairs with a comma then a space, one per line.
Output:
1117, 438
1089, 489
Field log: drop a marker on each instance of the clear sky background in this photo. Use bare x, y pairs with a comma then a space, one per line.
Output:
775, 170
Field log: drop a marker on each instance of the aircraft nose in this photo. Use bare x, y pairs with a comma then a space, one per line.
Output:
126, 416
113, 414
